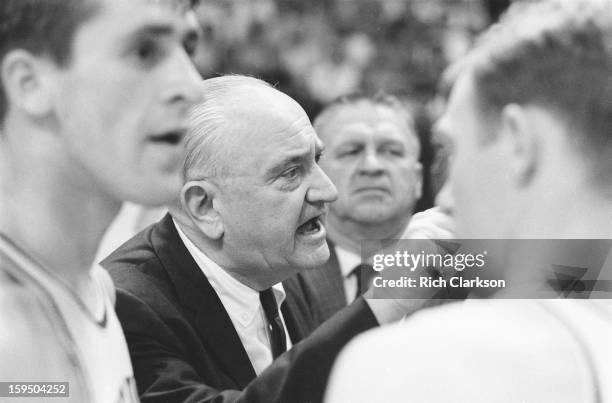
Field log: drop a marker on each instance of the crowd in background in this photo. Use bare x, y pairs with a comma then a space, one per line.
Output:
257, 276
319, 50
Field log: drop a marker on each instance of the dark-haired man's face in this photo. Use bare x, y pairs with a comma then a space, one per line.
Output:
121, 102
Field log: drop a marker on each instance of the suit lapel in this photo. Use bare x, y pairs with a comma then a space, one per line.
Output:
197, 295
327, 285
335, 283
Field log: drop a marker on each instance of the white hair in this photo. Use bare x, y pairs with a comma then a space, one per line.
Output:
206, 156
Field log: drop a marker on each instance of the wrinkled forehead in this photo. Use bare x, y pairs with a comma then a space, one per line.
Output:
365, 116
369, 123
263, 121
279, 127
272, 146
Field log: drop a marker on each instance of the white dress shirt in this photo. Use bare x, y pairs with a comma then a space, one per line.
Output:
347, 261
242, 306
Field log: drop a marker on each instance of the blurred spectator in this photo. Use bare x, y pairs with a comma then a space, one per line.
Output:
318, 50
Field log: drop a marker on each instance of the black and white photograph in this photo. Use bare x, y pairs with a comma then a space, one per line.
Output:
306, 201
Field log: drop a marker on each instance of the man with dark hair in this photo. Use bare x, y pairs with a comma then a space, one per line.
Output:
372, 156
529, 118
94, 100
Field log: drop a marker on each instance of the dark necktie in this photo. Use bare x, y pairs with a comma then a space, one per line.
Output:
277, 330
364, 274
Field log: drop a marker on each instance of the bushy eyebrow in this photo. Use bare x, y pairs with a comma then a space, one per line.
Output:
293, 160
390, 142
160, 30
286, 163
352, 143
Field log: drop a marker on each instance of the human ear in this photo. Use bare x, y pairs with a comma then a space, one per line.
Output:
197, 201
524, 148
26, 82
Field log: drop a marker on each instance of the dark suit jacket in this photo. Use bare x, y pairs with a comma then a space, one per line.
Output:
322, 287
183, 345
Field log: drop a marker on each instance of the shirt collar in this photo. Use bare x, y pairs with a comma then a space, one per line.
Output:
240, 301
347, 260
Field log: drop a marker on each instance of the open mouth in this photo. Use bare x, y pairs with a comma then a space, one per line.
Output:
311, 226
171, 138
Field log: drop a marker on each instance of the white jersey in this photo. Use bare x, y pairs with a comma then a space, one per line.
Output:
520, 351
49, 335
590, 322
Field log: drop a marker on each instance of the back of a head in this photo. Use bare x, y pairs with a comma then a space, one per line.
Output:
556, 54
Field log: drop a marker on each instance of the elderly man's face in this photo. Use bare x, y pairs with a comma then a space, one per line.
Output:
273, 200
121, 102
372, 157
478, 181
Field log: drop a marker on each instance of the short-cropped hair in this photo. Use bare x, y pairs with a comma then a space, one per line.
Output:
42, 27
556, 54
45, 28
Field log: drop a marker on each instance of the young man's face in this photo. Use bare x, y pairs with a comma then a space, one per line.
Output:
478, 173
121, 102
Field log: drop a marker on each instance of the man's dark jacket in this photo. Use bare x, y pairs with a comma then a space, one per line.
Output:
183, 345
322, 287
